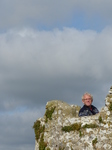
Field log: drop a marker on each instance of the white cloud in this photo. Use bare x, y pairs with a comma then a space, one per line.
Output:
51, 51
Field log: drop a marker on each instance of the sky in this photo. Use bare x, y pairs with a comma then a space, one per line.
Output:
50, 50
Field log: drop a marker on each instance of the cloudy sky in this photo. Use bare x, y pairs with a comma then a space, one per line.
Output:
50, 50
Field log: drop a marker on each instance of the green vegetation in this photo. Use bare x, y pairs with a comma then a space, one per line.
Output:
110, 106
38, 129
100, 119
39, 133
61, 148
80, 133
77, 127
49, 113
42, 144
72, 127
47, 148
90, 126
94, 142
71, 148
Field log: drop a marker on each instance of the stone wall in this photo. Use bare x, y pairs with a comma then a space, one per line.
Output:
62, 129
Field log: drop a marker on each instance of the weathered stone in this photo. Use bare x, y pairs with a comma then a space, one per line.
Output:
80, 133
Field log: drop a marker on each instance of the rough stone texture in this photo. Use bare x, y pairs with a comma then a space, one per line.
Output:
66, 115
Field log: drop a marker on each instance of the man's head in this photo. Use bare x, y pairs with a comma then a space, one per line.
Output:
87, 99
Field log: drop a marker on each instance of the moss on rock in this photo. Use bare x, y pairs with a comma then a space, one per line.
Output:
110, 106
49, 113
72, 127
42, 144
38, 129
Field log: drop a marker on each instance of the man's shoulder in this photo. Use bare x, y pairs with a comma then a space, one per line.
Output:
94, 108
83, 111
83, 108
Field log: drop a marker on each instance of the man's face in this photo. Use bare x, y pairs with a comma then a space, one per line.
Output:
87, 100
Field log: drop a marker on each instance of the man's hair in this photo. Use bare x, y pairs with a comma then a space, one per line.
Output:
87, 94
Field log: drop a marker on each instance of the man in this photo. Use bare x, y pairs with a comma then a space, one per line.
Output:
88, 109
